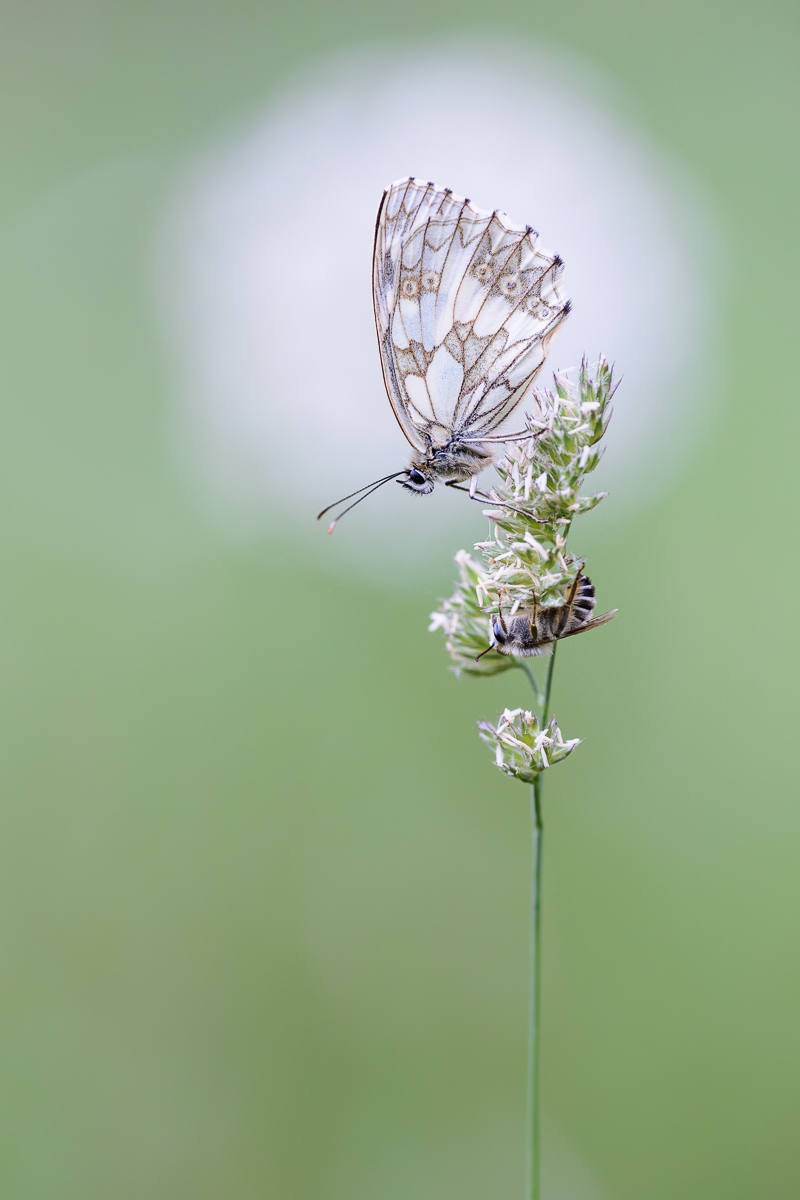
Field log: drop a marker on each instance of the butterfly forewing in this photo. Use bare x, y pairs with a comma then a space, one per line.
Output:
465, 305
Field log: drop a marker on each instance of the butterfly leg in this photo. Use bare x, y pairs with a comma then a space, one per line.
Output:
481, 497
471, 491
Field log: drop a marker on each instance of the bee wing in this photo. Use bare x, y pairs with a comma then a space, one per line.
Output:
465, 306
593, 624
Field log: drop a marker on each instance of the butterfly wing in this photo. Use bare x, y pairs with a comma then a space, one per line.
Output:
465, 306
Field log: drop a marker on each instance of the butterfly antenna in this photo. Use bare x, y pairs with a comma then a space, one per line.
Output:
375, 483
373, 487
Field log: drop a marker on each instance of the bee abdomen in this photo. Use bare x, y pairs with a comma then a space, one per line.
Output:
582, 606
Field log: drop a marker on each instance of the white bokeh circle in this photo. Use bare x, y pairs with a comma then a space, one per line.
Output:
267, 271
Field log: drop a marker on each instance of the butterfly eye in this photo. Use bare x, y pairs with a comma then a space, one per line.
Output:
509, 285
416, 477
409, 288
430, 281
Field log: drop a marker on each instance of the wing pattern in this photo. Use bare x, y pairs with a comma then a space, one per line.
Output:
465, 306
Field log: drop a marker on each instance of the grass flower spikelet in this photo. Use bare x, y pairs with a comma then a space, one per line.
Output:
523, 748
533, 504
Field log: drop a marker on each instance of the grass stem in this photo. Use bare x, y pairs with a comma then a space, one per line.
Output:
534, 1152
523, 666
535, 981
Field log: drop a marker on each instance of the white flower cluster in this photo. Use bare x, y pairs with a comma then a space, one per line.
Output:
522, 747
525, 561
466, 625
534, 505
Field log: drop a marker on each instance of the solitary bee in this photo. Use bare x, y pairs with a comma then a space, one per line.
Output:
530, 630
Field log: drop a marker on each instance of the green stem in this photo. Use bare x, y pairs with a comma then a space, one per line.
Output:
548, 687
535, 981
531, 680
537, 830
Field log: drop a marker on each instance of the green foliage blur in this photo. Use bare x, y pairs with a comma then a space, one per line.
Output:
262, 891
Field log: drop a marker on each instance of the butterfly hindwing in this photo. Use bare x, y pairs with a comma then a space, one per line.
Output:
465, 305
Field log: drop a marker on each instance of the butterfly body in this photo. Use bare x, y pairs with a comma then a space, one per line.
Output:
530, 631
454, 462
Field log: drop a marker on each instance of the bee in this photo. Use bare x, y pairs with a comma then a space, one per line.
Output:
531, 630
466, 304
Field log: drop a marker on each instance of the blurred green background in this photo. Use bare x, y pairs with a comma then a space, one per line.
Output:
263, 895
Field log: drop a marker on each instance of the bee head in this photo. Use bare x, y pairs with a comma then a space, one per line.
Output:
499, 632
418, 482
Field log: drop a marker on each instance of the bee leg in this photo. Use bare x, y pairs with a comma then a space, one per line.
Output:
536, 636
502, 621
575, 585
566, 609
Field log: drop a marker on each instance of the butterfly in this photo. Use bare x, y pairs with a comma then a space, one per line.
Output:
466, 303
530, 630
